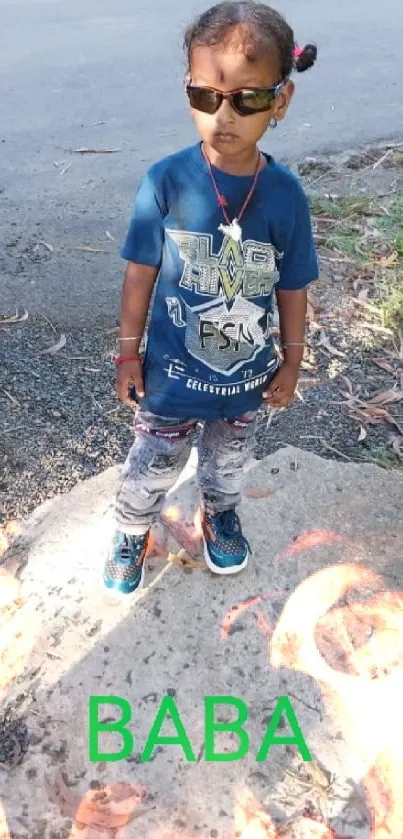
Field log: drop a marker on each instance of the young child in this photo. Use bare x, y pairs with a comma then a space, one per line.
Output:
215, 229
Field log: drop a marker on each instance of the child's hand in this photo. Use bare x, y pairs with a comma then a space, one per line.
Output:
281, 389
128, 374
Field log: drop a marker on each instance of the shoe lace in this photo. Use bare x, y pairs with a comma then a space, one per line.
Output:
126, 552
228, 523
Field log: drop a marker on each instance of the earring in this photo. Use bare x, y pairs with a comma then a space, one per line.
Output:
273, 123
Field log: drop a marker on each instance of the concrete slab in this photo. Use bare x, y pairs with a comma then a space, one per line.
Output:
316, 528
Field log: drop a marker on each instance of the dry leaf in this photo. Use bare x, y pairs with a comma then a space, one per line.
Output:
185, 560
374, 411
388, 261
86, 150
325, 343
383, 365
256, 492
14, 318
388, 397
363, 294
362, 435
55, 347
349, 385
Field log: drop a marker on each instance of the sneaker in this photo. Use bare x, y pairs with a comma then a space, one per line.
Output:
124, 568
226, 550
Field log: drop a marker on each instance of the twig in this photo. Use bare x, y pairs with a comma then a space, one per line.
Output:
326, 445
15, 401
49, 323
66, 168
384, 156
14, 428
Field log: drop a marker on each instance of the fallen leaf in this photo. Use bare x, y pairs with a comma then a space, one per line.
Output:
256, 492
388, 397
388, 261
55, 347
362, 435
14, 318
349, 385
185, 560
374, 411
384, 365
363, 294
86, 150
326, 345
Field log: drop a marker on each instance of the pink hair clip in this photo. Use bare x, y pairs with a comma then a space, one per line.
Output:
297, 52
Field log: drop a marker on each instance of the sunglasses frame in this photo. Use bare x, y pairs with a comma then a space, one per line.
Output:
275, 90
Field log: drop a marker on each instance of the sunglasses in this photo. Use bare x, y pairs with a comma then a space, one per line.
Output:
245, 101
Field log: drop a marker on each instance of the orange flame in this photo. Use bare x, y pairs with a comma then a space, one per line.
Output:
7, 531
172, 513
311, 539
360, 701
236, 611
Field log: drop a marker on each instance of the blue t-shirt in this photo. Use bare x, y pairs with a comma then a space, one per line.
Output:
209, 349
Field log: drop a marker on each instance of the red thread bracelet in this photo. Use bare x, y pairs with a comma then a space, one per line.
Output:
120, 359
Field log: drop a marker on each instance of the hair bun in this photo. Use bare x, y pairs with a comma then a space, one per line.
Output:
305, 58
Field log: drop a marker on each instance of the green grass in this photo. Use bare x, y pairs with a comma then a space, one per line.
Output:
347, 226
341, 208
384, 458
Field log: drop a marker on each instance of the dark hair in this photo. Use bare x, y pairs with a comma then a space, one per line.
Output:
261, 28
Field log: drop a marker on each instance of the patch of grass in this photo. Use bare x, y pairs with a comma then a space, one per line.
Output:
366, 229
391, 222
342, 208
392, 306
384, 458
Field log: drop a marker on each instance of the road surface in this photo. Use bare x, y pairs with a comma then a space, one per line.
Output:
97, 73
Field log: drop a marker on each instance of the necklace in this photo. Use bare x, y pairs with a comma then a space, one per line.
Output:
231, 228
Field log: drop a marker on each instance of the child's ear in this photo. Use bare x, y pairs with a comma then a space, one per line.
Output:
283, 100
187, 79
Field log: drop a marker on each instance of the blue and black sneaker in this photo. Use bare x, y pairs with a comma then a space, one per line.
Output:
124, 568
226, 550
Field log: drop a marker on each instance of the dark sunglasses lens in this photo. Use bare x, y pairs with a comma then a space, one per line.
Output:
204, 100
253, 101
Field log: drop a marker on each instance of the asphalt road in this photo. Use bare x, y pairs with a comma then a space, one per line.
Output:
97, 73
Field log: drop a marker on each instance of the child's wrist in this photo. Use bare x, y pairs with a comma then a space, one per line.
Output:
130, 346
122, 359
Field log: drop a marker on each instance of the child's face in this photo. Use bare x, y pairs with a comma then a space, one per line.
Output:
226, 68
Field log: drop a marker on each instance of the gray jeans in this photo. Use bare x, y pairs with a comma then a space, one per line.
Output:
161, 450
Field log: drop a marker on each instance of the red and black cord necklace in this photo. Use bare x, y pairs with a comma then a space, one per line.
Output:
232, 228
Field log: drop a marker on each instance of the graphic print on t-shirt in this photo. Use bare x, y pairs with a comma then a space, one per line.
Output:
229, 329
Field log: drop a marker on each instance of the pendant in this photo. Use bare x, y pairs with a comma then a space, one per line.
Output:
233, 230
